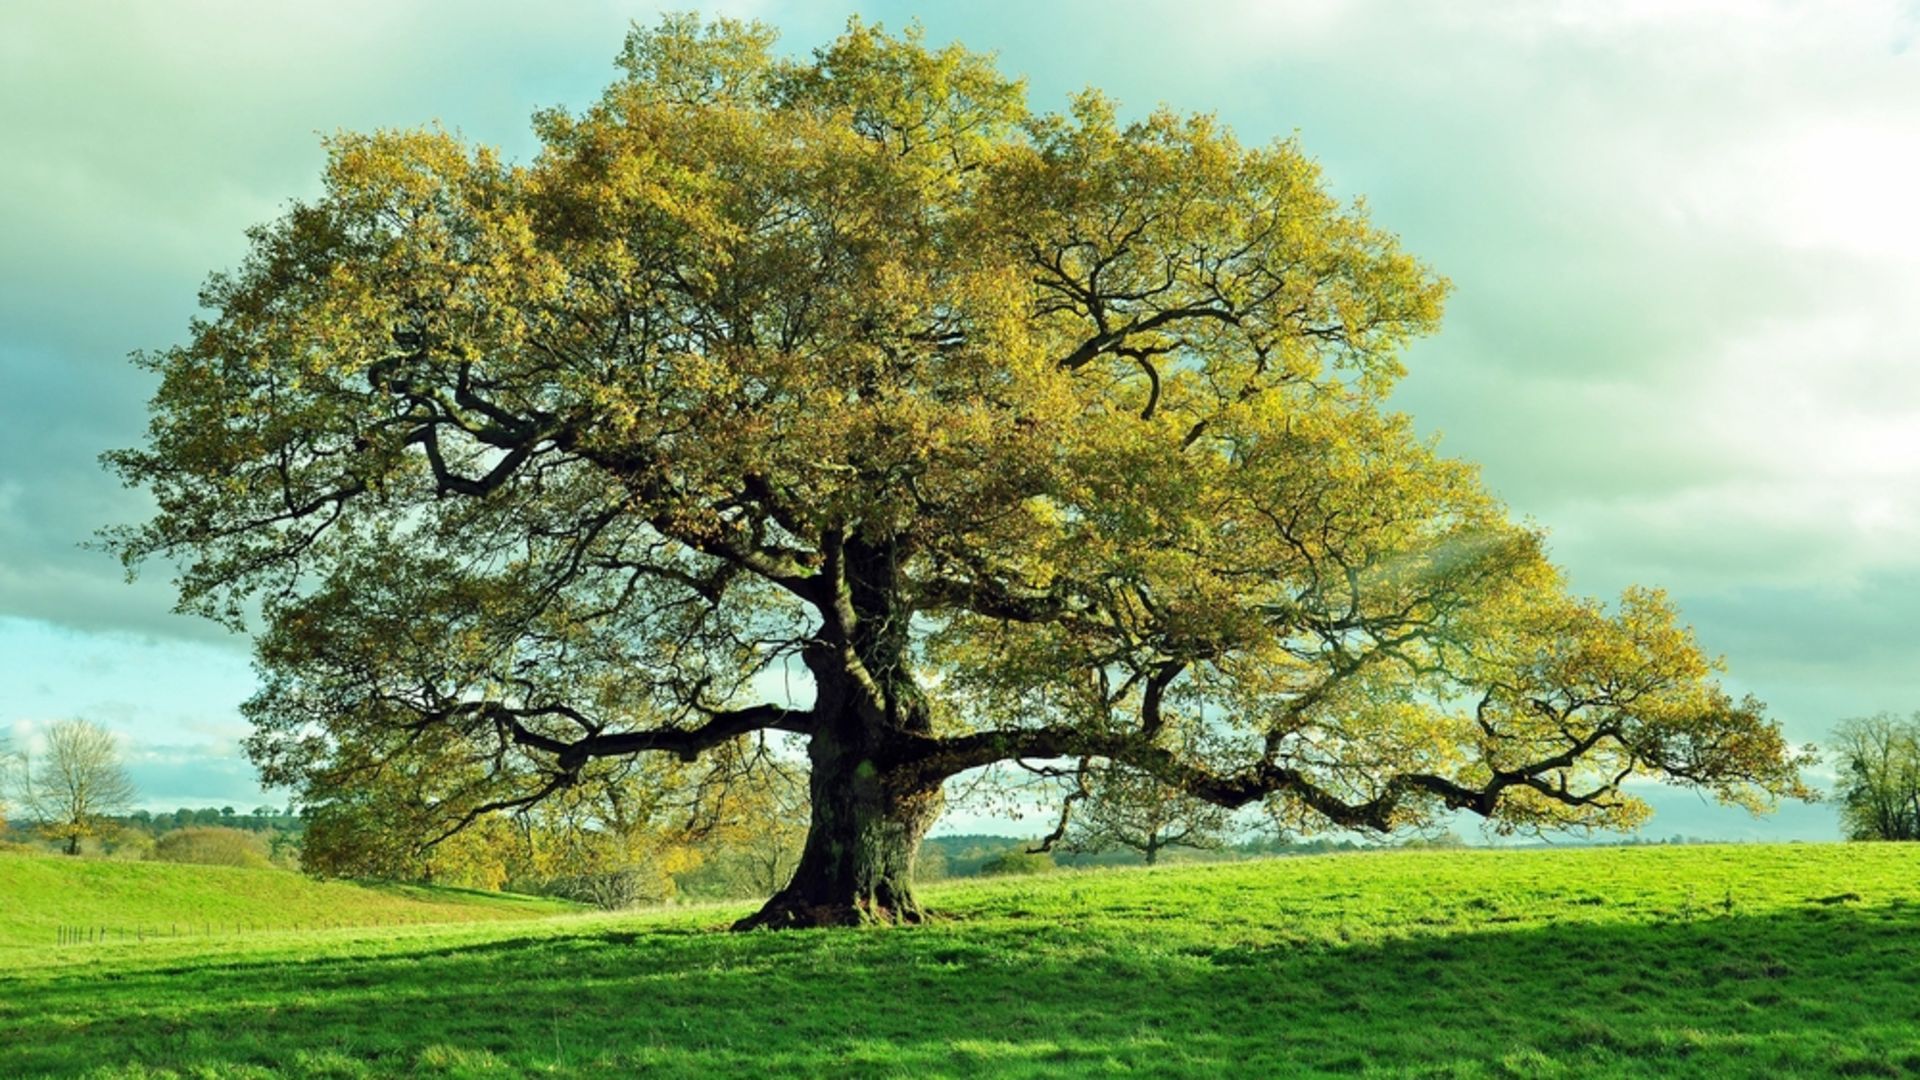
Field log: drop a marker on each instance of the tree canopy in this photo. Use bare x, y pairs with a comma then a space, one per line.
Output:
852, 398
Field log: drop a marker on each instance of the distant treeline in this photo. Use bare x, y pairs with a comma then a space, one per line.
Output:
159, 823
974, 854
261, 819
266, 836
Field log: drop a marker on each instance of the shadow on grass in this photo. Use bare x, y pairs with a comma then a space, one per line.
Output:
1825, 990
408, 890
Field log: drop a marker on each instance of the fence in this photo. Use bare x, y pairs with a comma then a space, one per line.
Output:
95, 934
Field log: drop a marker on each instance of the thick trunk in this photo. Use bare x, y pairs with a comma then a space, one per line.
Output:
866, 827
870, 806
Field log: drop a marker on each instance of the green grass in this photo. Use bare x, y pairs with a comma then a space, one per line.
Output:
1715, 961
39, 894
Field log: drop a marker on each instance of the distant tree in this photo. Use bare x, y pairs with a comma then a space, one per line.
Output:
214, 845
379, 835
611, 844
1879, 760
1020, 433
754, 833
1122, 808
10, 764
1446, 840
77, 783
932, 864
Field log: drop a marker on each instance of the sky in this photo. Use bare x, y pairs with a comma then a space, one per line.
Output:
1683, 237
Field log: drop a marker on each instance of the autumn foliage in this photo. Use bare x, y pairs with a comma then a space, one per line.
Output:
850, 399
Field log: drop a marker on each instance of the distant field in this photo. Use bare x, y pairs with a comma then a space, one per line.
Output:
1700, 961
41, 894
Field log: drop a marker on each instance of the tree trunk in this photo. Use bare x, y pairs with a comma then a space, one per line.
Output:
865, 830
870, 805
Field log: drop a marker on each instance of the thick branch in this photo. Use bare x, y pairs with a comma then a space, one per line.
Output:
943, 758
686, 743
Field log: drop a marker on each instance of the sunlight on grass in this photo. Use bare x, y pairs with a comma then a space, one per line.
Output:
1722, 961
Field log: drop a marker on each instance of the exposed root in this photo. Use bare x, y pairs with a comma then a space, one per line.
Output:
788, 913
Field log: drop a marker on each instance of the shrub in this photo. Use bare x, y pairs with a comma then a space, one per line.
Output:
214, 845
122, 842
1017, 861
611, 890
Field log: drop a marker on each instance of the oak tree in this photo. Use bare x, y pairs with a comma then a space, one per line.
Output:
851, 398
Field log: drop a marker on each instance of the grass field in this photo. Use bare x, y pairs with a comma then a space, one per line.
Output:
41, 894
1698, 961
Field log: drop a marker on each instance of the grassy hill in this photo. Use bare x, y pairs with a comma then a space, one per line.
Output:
39, 894
1701, 961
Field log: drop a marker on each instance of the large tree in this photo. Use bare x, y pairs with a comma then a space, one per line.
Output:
991, 434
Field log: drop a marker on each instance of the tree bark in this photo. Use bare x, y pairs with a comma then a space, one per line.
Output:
862, 838
871, 803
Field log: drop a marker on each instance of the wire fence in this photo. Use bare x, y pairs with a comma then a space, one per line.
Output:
102, 934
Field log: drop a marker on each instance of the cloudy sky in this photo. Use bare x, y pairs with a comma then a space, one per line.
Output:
1685, 242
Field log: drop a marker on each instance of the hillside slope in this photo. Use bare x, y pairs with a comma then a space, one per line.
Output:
1763, 961
39, 894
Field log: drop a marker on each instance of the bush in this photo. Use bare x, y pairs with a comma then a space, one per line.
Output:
213, 845
122, 842
611, 890
1017, 861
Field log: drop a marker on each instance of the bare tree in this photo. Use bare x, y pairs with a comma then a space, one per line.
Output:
78, 782
1879, 758
9, 764
1127, 808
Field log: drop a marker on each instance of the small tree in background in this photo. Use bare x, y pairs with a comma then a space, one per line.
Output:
9, 762
1879, 759
753, 832
1127, 809
78, 783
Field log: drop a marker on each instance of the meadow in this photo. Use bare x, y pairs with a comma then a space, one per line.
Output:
1785, 960
43, 897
